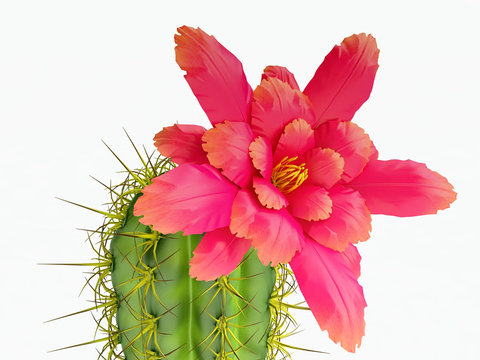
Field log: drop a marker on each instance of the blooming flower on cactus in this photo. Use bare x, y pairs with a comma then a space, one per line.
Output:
286, 172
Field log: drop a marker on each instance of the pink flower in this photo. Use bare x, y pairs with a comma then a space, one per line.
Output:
286, 172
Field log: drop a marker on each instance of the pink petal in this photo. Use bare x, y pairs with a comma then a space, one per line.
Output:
215, 76
373, 152
227, 149
182, 143
218, 253
280, 73
332, 293
350, 141
310, 202
190, 198
344, 80
268, 195
403, 188
350, 221
297, 138
325, 167
244, 209
261, 154
275, 104
352, 259
274, 233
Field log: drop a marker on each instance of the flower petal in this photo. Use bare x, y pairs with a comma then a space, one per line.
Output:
261, 154
182, 143
227, 148
310, 202
350, 141
350, 221
297, 138
244, 209
280, 73
268, 195
275, 104
403, 188
373, 152
325, 167
352, 259
218, 253
190, 198
332, 293
274, 233
215, 76
344, 80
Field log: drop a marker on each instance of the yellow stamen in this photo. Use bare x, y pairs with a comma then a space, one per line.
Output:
286, 176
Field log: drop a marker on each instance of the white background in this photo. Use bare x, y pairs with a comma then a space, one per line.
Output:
75, 72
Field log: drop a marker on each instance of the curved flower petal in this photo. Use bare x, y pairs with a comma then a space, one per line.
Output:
325, 167
403, 188
350, 221
218, 253
280, 73
332, 293
261, 154
297, 138
344, 80
373, 152
274, 233
310, 202
352, 259
350, 141
244, 209
215, 76
268, 195
227, 148
182, 143
190, 198
275, 104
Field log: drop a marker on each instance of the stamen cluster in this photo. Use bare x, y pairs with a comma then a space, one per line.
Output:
287, 176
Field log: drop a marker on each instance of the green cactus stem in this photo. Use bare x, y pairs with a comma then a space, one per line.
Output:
163, 313
148, 307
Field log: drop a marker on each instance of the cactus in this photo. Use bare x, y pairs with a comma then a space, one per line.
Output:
150, 307
163, 313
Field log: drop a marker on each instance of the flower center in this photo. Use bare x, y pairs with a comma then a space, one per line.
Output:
286, 176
